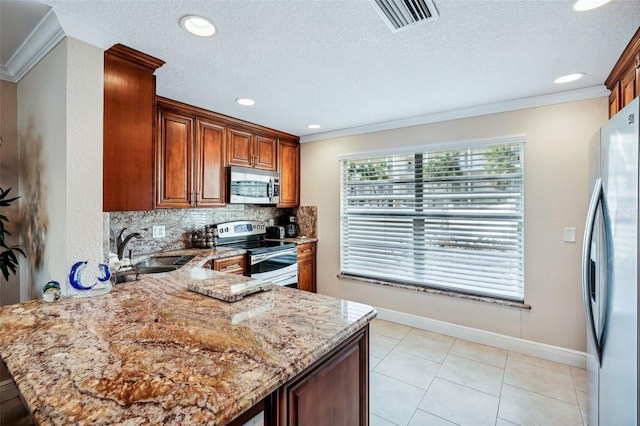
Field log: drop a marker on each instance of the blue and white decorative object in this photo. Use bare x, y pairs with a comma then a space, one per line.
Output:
88, 279
51, 291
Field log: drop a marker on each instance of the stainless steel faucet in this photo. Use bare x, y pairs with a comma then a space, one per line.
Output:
121, 242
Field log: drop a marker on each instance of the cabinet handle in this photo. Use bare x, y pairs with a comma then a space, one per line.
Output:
198, 198
306, 250
230, 267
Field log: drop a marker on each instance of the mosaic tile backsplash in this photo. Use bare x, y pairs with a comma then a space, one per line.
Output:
179, 223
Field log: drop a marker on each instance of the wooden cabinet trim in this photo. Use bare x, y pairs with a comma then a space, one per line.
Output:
128, 131
307, 267
289, 169
226, 120
234, 264
284, 414
239, 147
627, 59
265, 152
203, 164
306, 250
136, 57
162, 175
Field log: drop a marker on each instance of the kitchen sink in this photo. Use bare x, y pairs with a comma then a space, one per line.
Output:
154, 265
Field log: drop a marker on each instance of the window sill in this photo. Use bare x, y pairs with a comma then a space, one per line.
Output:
450, 293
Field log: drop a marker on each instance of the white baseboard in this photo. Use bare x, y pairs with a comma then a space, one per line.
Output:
8, 390
515, 344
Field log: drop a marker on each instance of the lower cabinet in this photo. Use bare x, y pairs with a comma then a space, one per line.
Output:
333, 391
307, 267
231, 265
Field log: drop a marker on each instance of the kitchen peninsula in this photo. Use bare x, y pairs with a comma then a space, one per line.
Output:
153, 352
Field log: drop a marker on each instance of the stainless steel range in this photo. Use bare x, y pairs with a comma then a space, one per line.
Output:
271, 261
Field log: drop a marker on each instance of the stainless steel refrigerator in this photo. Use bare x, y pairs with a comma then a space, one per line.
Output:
610, 271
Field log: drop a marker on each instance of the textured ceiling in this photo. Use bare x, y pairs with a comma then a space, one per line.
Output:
337, 64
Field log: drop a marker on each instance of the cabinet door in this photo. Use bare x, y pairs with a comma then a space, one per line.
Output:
614, 100
174, 160
628, 87
638, 76
239, 148
336, 392
307, 267
289, 168
210, 171
264, 153
129, 91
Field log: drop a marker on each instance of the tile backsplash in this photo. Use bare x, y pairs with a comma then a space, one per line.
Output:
179, 223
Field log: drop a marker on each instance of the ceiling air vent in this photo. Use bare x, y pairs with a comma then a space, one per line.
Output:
401, 14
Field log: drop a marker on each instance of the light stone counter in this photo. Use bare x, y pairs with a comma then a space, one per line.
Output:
153, 352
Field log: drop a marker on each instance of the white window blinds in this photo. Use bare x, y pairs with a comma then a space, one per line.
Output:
450, 219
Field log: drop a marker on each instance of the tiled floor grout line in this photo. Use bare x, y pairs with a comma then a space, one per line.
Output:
467, 353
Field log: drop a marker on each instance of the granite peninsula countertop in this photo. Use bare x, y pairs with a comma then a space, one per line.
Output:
153, 352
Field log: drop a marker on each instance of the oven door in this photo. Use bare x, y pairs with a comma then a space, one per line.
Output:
278, 267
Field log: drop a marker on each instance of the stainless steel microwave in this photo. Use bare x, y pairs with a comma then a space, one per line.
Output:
251, 186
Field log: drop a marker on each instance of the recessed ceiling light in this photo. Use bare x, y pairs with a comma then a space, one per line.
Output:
313, 126
245, 102
583, 5
569, 78
198, 25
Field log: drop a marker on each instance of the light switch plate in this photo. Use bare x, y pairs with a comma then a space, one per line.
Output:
569, 235
158, 231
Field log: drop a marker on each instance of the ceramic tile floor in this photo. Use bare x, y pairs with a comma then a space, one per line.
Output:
422, 378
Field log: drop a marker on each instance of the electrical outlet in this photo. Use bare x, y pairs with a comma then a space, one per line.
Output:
569, 235
158, 231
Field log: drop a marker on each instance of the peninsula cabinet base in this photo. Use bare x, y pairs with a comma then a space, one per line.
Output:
333, 392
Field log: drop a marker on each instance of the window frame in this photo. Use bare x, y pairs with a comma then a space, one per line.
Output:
439, 148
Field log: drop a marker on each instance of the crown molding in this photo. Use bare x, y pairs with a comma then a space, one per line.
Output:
493, 108
53, 27
75, 28
45, 36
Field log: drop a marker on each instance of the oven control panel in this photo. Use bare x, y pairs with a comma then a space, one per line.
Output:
241, 228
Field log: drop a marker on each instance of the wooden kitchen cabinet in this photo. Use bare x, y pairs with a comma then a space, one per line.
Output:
334, 391
189, 159
289, 168
624, 79
174, 160
193, 146
232, 265
128, 123
211, 178
307, 267
249, 149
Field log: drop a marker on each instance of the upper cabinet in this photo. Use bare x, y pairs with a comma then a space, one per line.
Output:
624, 80
189, 158
129, 109
249, 149
289, 168
194, 146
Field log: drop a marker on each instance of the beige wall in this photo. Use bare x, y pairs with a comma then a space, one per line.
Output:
60, 132
555, 197
9, 160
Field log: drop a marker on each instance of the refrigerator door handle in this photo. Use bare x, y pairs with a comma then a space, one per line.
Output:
588, 266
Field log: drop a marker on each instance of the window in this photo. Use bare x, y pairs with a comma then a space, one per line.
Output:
449, 217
